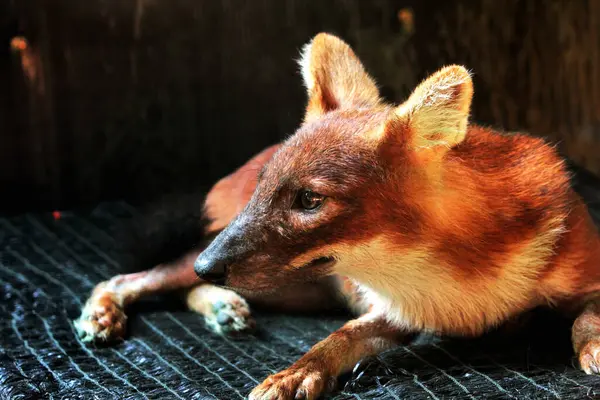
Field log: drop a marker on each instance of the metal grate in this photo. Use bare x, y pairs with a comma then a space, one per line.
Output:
48, 267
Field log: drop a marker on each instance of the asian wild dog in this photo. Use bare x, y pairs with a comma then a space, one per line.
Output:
414, 218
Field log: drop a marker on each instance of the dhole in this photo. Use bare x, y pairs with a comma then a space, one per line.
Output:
419, 220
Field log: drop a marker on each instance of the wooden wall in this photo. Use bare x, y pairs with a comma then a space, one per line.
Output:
111, 99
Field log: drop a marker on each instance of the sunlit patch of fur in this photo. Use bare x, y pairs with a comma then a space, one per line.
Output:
304, 63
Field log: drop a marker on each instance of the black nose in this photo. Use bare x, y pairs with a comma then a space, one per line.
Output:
214, 271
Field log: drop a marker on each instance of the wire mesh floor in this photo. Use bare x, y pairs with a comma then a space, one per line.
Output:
48, 267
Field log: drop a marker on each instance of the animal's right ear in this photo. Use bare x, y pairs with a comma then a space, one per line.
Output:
334, 77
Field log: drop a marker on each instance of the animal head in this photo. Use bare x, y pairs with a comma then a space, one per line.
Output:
356, 171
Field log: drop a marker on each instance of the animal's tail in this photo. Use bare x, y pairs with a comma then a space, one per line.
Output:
162, 232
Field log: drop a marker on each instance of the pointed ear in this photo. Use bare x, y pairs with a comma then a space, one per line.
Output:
334, 77
437, 112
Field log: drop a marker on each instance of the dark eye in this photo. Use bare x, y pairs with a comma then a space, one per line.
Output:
309, 200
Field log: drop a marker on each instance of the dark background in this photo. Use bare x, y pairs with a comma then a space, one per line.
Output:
130, 99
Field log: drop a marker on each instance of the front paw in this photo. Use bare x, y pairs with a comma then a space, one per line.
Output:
224, 310
589, 357
230, 315
306, 380
102, 319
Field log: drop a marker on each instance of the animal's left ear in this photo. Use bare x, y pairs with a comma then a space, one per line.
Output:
437, 112
334, 77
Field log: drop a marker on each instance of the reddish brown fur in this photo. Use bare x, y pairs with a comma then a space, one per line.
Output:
480, 172
415, 181
414, 195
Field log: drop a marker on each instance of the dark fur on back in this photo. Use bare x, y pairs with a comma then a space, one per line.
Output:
163, 231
